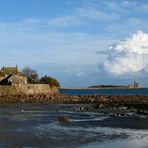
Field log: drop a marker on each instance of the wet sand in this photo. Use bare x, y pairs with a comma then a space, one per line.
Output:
26, 125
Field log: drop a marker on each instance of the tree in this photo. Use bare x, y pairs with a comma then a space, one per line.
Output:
49, 80
32, 76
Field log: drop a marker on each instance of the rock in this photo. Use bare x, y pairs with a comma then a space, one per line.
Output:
101, 106
114, 108
124, 107
21, 110
81, 109
143, 112
112, 115
63, 120
122, 114
129, 114
104, 100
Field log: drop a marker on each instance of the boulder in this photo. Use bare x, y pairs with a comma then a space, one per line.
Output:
63, 120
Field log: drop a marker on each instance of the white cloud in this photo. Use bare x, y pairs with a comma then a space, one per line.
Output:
96, 14
65, 21
81, 16
37, 46
129, 56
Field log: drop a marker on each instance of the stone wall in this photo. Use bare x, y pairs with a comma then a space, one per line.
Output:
14, 79
27, 89
18, 80
1, 78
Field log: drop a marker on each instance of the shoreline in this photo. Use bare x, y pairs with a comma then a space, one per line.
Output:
84, 98
100, 88
110, 104
138, 101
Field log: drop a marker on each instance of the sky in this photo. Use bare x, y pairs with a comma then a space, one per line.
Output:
78, 42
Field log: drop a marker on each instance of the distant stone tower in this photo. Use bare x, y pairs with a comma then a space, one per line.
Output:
136, 84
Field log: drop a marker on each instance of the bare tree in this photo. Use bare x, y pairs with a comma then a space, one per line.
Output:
32, 75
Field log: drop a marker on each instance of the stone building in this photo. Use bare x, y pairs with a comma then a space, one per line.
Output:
135, 85
11, 76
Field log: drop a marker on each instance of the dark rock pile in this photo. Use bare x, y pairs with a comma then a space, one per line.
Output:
99, 101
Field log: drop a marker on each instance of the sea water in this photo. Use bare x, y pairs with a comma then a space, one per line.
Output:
139, 91
37, 126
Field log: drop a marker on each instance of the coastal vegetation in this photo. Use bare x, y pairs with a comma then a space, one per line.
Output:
49, 80
31, 75
33, 78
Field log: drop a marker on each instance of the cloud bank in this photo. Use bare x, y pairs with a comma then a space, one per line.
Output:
129, 56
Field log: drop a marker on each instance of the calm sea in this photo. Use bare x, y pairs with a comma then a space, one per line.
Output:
141, 91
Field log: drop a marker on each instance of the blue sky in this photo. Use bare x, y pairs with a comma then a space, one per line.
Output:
79, 42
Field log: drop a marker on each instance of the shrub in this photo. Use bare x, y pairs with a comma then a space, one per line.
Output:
49, 80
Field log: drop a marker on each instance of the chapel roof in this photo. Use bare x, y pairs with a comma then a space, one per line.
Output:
10, 70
